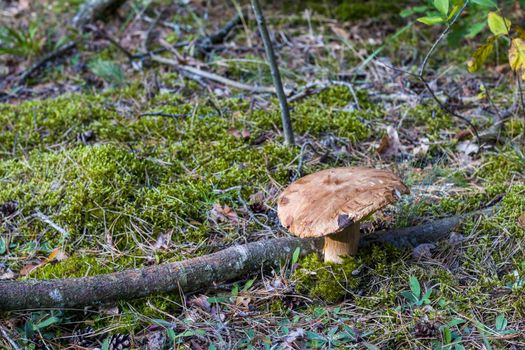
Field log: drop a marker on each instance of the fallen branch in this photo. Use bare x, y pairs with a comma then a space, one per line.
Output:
207, 43
197, 273
212, 76
424, 233
189, 275
47, 58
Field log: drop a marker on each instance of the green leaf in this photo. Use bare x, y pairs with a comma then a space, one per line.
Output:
412, 10
415, 287
409, 296
105, 344
46, 323
3, 246
295, 256
454, 11
498, 25
475, 29
455, 322
485, 3
171, 334
370, 346
447, 335
481, 54
431, 20
441, 6
248, 285
459, 347
517, 55
501, 322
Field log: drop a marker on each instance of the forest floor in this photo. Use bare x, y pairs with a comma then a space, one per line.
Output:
136, 162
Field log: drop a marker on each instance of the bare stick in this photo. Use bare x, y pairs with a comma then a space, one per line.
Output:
162, 114
11, 341
44, 218
189, 275
197, 273
285, 112
212, 76
47, 58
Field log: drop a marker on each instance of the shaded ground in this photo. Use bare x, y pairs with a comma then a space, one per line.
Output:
128, 189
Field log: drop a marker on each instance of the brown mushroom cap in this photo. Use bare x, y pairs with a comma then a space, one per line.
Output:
328, 201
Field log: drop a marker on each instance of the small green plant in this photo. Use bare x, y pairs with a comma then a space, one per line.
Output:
451, 336
108, 71
21, 42
414, 295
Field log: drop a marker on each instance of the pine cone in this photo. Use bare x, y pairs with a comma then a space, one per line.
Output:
120, 342
84, 337
424, 329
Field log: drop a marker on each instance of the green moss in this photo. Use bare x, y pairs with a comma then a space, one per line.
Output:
327, 281
150, 174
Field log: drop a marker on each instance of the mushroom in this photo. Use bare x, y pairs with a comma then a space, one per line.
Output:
332, 202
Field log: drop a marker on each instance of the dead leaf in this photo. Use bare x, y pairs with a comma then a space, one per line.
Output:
390, 145
224, 213
243, 301
423, 251
29, 267
234, 132
7, 275
163, 241
243, 134
56, 255
257, 203
421, 150
340, 32
201, 302
521, 220
466, 149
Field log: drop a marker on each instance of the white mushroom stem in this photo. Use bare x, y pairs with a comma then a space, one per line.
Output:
343, 243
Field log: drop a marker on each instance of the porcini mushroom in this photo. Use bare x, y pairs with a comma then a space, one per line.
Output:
332, 202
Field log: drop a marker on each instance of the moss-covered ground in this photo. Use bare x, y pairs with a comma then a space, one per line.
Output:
90, 183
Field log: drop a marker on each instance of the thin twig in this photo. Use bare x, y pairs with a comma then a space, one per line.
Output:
49, 57
299, 171
44, 218
212, 76
11, 341
276, 75
161, 114
427, 85
152, 26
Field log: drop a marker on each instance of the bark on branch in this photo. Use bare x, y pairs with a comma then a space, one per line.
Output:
197, 273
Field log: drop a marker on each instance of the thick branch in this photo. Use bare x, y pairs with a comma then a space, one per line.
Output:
189, 275
197, 273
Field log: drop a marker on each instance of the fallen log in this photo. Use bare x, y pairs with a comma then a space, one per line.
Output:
197, 273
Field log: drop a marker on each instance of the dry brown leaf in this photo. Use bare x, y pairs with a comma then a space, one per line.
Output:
224, 213
29, 267
521, 220
201, 302
390, 145
243, 301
